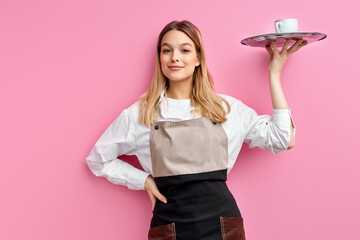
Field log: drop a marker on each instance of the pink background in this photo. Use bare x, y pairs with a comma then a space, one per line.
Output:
68, 68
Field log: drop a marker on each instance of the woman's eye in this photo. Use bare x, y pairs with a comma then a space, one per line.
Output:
167, 50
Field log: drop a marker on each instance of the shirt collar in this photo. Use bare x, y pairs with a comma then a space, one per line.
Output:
161, 96
164, 103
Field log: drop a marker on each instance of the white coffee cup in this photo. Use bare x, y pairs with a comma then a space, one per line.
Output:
286, 25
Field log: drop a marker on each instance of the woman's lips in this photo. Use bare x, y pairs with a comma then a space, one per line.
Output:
176, 68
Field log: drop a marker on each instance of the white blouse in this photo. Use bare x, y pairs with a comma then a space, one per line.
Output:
125, 136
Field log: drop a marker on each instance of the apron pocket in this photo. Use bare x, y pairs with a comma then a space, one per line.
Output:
232, 228
165, 232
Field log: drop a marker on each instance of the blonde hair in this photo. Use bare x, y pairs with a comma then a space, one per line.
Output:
203, 97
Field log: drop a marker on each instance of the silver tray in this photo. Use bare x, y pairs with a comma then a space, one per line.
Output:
280, 38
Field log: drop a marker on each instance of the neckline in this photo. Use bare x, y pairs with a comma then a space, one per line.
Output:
174, 99
178, 100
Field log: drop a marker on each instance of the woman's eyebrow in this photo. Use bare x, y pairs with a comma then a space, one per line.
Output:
166, 44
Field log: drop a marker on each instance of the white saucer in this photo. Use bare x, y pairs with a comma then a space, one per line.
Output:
280, 38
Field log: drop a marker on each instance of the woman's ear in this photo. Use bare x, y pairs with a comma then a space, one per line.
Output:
197, 62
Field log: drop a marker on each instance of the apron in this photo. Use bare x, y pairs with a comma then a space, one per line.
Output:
189, 163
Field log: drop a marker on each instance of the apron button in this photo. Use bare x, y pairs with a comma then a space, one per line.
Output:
156, 127
214, 122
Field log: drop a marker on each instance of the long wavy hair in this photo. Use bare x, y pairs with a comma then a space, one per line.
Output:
203, 98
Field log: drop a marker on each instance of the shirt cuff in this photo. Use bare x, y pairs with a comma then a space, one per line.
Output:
136, 179
282, 118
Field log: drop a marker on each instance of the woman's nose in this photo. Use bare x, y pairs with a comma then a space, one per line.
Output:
175, 55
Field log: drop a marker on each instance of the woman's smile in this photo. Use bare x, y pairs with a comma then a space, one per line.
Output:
175, 68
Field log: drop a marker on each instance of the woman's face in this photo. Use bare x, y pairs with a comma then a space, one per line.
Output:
177, 49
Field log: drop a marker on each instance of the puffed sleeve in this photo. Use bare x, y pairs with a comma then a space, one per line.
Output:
267, 132
118, 139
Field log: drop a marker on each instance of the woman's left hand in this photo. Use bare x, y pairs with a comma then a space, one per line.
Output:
278, 59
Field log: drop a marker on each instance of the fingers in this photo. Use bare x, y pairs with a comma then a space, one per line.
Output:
153, 201
153, 191
285, 45
268, 43
271, 47
159, 196
274, 47
152, 198
296, 46
268, 49
155, 194
303, 44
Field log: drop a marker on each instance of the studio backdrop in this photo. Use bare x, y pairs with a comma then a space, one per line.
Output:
68, 69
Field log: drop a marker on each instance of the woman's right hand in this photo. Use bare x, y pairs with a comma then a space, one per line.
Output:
153, 191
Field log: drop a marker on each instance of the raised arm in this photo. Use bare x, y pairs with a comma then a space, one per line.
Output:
276, 63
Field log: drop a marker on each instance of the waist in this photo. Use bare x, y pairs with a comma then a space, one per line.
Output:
176, 180
195, 201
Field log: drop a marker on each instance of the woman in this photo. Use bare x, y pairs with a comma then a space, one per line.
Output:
187, 139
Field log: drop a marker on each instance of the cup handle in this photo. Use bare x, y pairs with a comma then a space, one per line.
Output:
277, 26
